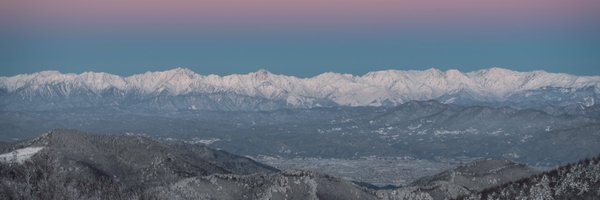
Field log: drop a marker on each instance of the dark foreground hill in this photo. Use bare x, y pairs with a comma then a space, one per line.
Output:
68, 164
574, 181
461, 181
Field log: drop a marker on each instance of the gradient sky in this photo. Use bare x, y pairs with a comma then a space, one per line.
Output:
301, 38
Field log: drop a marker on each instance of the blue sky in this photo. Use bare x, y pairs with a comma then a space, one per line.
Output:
563, 42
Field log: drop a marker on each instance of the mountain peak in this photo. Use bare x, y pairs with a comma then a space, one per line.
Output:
180, 71
497, 71
261, 74
48, 73
263, 71
434, 70
453, 73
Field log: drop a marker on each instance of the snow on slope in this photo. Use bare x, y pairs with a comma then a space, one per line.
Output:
372, 89
20, 155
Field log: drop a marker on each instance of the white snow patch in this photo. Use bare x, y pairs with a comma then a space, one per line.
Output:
588, 101
450, 100
446, 132
414, 127
20, 155
204, 141
525, 138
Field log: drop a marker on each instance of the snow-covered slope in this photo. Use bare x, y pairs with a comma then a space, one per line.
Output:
182, 88
19, 155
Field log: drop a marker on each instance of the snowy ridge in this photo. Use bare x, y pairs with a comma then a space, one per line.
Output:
20, 155
390, 87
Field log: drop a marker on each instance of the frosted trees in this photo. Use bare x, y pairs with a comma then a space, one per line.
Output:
541, 190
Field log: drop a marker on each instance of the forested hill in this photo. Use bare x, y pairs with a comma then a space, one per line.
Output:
574, 181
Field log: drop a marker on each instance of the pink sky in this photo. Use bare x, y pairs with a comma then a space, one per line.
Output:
300, 33
301, 12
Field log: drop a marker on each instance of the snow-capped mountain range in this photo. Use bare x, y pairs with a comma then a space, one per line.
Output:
181, 88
